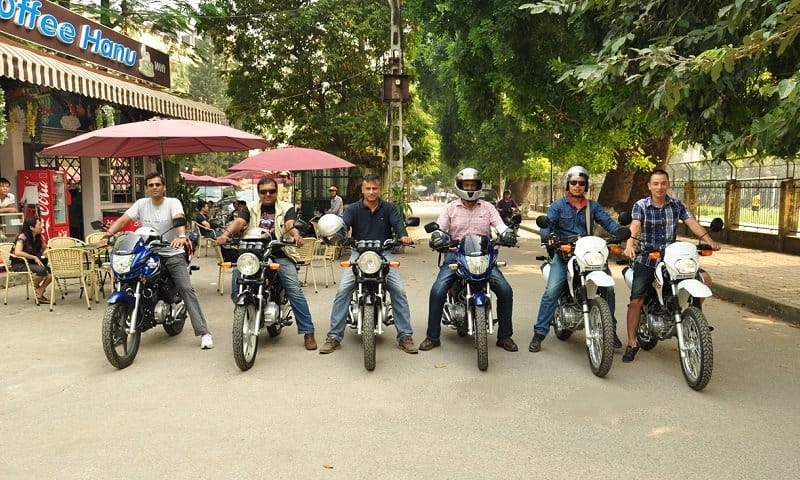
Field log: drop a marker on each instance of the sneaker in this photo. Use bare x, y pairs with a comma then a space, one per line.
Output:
309, 341
406, 344
617, 342
206, 342
536, 343
429, 344
330, 345
630, 354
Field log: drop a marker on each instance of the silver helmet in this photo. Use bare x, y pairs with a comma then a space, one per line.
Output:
576, 171
468, 174
331, 227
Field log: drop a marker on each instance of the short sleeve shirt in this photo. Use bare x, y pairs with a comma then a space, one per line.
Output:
158, 218
9, 201
659, 224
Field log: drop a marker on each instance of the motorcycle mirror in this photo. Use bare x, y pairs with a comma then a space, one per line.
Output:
625, 218
431, 227
542, 221
97, 225
412, 222
716, 225
622, 234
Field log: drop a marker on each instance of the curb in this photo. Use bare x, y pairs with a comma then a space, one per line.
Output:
747, 299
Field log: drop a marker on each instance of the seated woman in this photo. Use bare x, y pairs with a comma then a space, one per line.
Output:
30, 246
204, 221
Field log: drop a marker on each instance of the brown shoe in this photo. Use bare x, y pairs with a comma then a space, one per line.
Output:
310, 341
406, 344
507, 344
330, 345
429, 344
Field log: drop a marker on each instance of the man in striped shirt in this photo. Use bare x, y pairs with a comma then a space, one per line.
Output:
469, 215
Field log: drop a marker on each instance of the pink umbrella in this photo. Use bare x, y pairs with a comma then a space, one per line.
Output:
292, 158
207, 180
257, 175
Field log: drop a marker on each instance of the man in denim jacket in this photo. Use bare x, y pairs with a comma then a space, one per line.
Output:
567, 217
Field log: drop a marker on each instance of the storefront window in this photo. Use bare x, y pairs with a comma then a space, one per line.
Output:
121, 179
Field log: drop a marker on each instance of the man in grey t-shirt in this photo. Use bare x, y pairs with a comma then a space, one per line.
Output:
158, 212
337, 205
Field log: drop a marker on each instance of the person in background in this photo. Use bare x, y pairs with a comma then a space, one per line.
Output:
30, 246
8, 203
337, 205
203, 221
506, 205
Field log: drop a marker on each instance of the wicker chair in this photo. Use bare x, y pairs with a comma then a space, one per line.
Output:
326, 254
101, 263
305, 258
201, 240
71, 264
64, 242
5, 257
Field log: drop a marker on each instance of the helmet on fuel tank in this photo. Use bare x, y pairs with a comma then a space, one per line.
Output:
469, 174
255, 233
331, 227
148, 233
576, 171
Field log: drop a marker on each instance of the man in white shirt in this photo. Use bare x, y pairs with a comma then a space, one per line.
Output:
8, 204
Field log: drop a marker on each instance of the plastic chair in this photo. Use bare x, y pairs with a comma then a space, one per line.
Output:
305, 258
223, 267
5, 257
70, 264
326, 254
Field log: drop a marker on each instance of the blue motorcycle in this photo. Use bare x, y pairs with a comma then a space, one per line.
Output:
145, 295
468, 306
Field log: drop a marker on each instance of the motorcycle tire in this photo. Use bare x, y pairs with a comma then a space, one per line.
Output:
600, 334
245, 336
481, 337
698, 363
645, 340
176, 326
115, 319
368, 335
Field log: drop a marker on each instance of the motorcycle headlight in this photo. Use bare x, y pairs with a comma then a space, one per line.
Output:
248, 264
594, 259
121, 263
477, 265
369, 263
686, 266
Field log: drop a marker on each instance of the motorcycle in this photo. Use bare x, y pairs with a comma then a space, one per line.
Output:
512, 218
261, 301
145, 295
672, 306
370, 307
468, 306
583, 304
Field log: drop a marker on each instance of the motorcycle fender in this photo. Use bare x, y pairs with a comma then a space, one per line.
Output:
121, 297
627, 274
695, 287
545, 271
480, 298
599, 278
368, 300
244, 299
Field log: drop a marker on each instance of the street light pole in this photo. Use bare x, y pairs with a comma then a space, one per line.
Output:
395, 103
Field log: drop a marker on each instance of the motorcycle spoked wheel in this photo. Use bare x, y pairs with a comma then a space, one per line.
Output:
645, 340
482, 337
698, 363
245, 336
601, 337
119, 347
368, 335
176, 326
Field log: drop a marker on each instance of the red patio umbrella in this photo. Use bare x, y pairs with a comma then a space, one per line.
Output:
207, 180
257, 175
292, 158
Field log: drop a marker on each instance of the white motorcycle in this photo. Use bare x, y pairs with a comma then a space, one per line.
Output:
672, 307
583, 305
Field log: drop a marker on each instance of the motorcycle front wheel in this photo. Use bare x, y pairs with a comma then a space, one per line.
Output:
698, 362
481, 337
600, 336
368, 335
245, 336
119, 347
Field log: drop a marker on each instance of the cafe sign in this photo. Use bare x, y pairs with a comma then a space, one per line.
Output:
57, 28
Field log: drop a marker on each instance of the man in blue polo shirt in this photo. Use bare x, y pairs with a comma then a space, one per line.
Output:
372, 218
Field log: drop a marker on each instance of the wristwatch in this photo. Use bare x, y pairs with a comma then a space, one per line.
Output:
182, 236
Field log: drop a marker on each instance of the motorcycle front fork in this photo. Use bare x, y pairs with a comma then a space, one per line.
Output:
137, 295
471, 305
356, 308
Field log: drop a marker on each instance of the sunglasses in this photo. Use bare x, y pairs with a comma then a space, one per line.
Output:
269, 191
153, 185
580, 183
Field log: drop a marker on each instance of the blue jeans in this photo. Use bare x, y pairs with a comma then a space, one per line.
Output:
401, 312
497, 283
287, 275
557, 280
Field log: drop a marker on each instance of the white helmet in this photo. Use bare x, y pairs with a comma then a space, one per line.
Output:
331, 225
576, 171
255, 232
468, 174
147, 232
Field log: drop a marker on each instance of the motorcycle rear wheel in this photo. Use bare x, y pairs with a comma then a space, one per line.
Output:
601, 337
119, 347
481, 337
368, 335
698, 363
245, 336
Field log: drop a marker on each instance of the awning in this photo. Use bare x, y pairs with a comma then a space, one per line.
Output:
40, 68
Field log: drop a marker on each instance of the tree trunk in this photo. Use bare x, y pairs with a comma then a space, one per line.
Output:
520, 189
614, 193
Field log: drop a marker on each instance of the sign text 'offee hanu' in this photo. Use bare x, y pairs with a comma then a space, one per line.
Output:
57, 28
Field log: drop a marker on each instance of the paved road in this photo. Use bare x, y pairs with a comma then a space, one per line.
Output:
179, 412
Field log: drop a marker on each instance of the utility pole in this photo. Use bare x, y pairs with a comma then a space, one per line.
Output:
395, 92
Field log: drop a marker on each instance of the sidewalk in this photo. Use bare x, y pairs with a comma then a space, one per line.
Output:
760, 280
